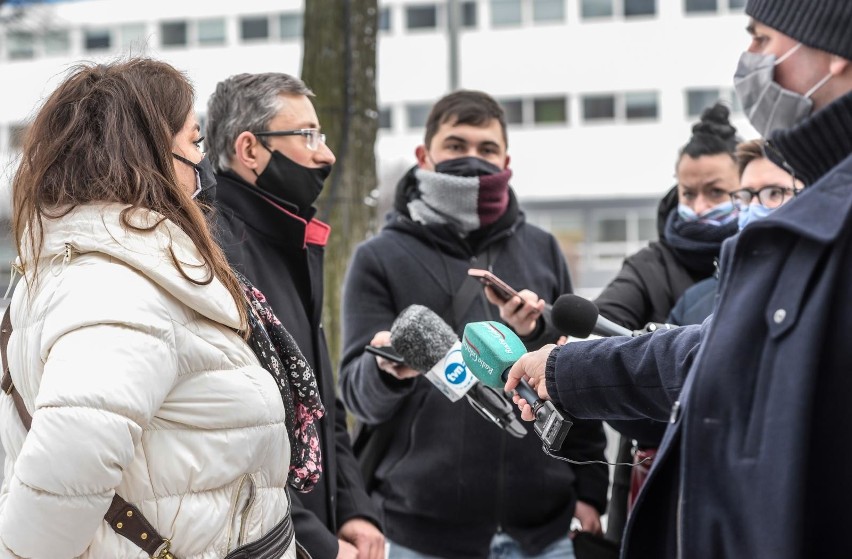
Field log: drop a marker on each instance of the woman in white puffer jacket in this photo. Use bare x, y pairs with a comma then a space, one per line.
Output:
127, 344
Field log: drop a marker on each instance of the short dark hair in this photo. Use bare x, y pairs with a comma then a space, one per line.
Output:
475, 108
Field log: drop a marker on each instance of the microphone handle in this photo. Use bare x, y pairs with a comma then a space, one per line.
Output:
524, 390
550, 425
605, 327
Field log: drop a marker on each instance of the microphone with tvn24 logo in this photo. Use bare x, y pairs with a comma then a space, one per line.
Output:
429, 345
490, 349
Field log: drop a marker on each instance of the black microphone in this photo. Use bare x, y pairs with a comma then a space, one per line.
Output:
579, 317
429, 345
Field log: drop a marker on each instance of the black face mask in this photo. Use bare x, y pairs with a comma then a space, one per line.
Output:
467, 167
295, 184
205, 179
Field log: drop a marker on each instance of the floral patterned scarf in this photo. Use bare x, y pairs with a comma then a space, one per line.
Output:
278, 353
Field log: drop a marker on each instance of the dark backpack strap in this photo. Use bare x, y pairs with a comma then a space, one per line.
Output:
6, 383
123, 517
471, 290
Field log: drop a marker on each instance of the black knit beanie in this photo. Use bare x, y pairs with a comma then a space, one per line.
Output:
821, 24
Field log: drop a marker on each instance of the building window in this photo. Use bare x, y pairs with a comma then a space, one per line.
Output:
468, 14
97, 39
514, 109
291, 26
211, 31
384, 19
647, 228
596, 8
699, 99
611, 230
173, 33
385, 118
736, 4
548, 10
598, 107
634, 8
549, 110
421, 17
640, 105
697, 6
417, 113
17, 132
21, 45
505, 12
57, 42
253, 28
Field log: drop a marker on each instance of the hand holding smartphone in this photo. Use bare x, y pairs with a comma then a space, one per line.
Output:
500, 287
385, 351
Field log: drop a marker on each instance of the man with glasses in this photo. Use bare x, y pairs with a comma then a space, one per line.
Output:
765, 188
264, 141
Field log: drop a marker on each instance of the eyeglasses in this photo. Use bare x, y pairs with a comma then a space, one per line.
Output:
770, 197
313, 137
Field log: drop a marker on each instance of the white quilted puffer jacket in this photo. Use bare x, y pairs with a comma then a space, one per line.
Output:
137, 384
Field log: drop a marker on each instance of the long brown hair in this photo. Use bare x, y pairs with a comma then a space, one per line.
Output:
105, 135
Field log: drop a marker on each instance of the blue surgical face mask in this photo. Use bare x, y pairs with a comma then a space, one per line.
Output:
717, 215
752, 213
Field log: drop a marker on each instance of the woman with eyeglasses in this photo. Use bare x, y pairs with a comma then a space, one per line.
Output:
694, 218
764, 187
142, 416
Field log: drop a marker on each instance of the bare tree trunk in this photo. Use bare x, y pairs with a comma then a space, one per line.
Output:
339, 65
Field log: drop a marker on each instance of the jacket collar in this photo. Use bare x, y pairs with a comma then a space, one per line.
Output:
98, 228
267, 216
820, 212
818, 144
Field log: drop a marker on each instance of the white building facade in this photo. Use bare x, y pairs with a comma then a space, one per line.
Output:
600, 94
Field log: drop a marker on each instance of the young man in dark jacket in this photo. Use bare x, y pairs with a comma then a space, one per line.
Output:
264, 141
447, 483
754, 463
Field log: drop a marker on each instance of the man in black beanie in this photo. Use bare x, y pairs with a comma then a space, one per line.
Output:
755, 460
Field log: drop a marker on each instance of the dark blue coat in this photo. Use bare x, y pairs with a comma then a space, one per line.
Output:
755, 461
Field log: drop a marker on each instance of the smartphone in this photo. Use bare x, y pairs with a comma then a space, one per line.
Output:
500, 287
385, 351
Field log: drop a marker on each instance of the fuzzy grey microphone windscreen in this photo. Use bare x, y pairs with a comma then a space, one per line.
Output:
421, 337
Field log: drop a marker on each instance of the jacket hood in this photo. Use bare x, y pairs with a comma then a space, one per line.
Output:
98, 228
664, 208
406, 191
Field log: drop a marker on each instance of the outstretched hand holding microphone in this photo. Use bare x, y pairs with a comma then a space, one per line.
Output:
573, 316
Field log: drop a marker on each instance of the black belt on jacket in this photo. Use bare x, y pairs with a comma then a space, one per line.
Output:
272, 545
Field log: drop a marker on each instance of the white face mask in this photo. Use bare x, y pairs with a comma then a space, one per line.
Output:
767, 105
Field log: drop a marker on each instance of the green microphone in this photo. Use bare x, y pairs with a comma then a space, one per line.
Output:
489, 350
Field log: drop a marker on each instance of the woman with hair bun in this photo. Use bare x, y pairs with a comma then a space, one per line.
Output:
694, 218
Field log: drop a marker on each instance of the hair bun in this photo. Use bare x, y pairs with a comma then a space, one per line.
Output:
714, 121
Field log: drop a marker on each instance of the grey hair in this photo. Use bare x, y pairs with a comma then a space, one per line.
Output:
244, 102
